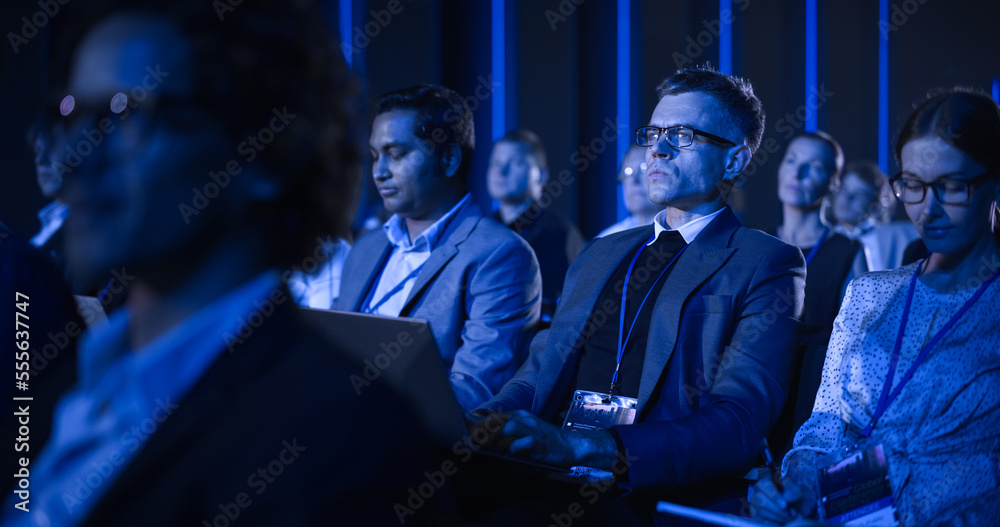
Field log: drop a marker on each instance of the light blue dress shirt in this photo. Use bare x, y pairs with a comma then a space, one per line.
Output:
404, 264
121, 398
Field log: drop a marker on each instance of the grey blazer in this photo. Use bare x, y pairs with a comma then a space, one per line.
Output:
480, 290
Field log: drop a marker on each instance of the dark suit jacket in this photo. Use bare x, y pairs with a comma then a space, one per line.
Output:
556, 243
480, 290
718, 356
51, 327
281, 402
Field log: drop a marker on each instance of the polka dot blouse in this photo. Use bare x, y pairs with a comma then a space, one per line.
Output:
942, 433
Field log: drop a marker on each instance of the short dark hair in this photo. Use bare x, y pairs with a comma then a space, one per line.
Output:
735, 93
438, 108
532, 141
832, 144
965, 118
264, 56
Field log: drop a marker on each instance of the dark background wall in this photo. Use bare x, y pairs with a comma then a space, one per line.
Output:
560, 77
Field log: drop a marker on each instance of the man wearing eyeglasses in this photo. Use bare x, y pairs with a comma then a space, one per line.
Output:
670, 353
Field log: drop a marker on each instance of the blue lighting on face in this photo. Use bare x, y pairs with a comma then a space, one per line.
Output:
996, 89
499, 73
883, 87
725, 37
812, 121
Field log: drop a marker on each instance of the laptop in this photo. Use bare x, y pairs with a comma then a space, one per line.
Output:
403, 352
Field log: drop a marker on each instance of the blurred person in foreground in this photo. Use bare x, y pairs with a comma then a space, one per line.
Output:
860, 206
635, 193
206, 397
912, 369
438, 257
517, 177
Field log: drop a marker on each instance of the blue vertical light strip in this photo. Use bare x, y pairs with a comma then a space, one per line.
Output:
883, 87
346, 26
996, 89
624, 95
812, 121
624, 88
726, 36
499, 59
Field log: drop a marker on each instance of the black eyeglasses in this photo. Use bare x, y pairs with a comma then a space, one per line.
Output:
949, 191
677, 136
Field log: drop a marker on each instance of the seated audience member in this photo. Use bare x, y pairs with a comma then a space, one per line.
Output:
810, 163
635, 193
861, 207
517, 175
438, 257
913, 364
692, 338
315, 282
206, 398
53, 215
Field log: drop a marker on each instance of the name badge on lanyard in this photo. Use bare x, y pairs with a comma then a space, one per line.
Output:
600, 411
854, 488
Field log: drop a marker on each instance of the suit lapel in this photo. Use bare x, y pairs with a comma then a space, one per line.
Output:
369, 284
703, 258
459, 229
567, 332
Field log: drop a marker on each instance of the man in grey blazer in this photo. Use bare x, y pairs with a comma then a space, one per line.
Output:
695, 318
438, 257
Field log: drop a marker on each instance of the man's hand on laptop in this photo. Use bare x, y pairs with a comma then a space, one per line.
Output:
533, 438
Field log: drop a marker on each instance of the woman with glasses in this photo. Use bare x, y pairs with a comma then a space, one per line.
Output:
913, 366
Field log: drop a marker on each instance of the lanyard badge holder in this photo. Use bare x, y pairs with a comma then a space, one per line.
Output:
854, 483
854, 488
600, 411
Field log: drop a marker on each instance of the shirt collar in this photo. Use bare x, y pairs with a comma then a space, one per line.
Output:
54, 211
689, 231
395, 230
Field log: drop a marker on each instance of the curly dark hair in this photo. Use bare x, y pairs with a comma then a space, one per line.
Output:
251, 59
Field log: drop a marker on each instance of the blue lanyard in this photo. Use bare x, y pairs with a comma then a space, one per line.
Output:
886, 398
399, 287
621, 315
815, 249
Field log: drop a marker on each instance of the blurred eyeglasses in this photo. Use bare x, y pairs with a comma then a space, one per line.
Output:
949, 191
129, 119
631, 173
676, 136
